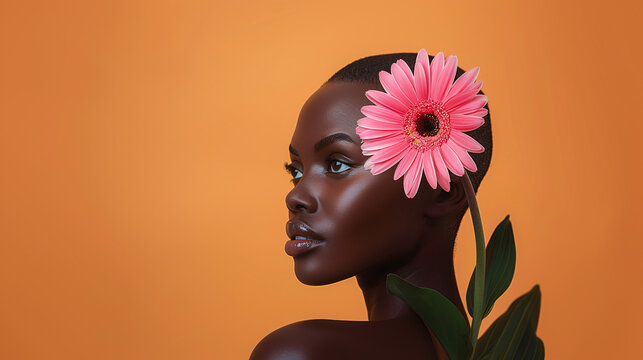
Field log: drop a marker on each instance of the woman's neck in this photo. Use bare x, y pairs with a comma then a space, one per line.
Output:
430, 267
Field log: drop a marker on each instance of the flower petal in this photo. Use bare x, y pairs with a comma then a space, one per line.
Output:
407, 70
413, 177
390, 85
368, 164
462, 83
384, 164
464, 96
475, 104
403, 82
422, 61
382, 114
421, 86
482, 113
445, 78
376, 144
405, 164
437, 65
451, 159
367, 134
389, 152
464, 156
466, 142
441, 169
429, 169
369, 123
465, 122
386, 100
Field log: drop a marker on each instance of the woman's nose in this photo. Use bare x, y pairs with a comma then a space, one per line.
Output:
301, 199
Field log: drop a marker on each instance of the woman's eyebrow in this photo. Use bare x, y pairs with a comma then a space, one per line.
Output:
331, 139
292, 150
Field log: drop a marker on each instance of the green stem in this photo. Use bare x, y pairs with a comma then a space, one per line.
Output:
481, 261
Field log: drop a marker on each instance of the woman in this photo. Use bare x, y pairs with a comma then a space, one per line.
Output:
344, 221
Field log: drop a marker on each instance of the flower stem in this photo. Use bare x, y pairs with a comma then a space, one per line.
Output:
481, 261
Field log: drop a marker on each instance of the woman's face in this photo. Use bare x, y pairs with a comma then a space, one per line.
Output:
343, 220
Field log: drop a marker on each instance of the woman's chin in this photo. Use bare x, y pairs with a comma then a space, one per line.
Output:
312, 273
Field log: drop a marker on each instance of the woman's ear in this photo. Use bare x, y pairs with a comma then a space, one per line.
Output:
447, 202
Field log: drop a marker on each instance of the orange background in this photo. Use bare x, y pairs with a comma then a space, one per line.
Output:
141, 152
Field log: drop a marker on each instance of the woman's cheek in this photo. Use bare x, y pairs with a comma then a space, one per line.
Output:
361, 209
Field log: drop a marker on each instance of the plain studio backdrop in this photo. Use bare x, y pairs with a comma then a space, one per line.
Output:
141, 166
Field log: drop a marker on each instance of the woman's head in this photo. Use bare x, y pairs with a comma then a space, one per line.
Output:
344, 221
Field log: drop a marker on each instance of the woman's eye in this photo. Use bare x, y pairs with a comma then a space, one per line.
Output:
296, 174
293, 171
336, 166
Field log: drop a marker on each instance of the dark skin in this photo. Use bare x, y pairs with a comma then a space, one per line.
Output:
366, 227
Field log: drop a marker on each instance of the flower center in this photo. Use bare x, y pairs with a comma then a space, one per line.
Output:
427, 125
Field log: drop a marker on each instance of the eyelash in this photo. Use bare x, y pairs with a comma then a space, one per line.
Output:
291, 169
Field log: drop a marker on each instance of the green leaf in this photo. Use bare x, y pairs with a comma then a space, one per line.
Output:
513, 334
438, 313
531, 348
500, 264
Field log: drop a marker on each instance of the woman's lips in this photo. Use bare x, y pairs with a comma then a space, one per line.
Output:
300, 245
302, 238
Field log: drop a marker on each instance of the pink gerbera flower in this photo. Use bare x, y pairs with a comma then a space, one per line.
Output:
420, 122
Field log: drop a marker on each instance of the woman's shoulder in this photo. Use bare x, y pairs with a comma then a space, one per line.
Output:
300, 340
332, 339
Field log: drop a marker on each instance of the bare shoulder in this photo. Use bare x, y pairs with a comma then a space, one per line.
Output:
331, 339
